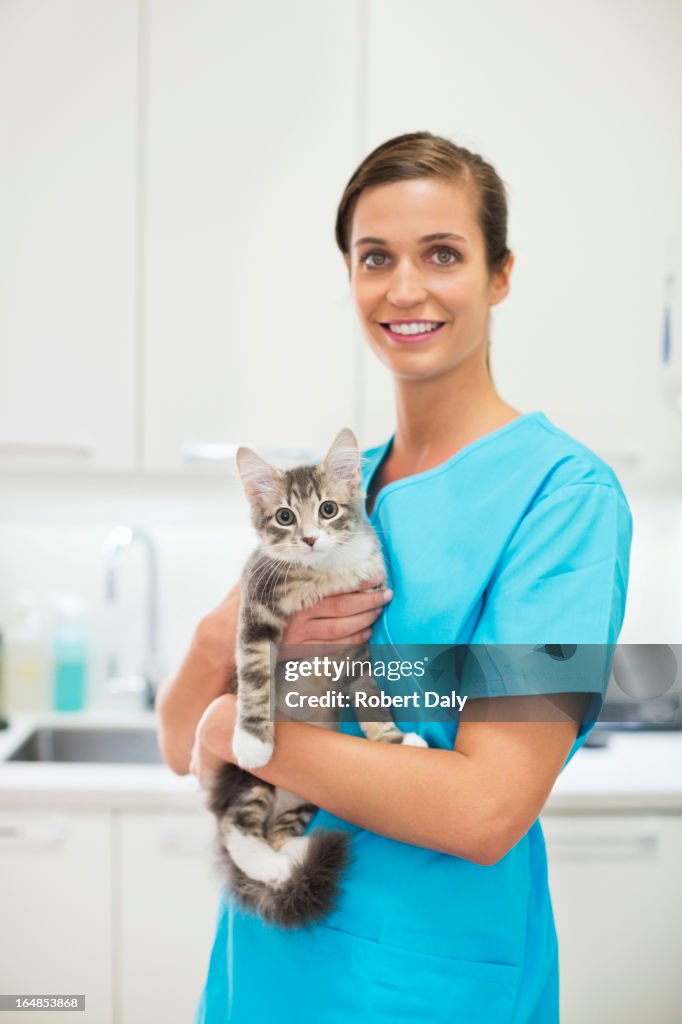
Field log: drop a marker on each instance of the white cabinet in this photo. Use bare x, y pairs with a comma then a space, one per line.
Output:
68, 116
168, 901
91, 898
117, 905
251, 136
56, 909
555, 97
616, 886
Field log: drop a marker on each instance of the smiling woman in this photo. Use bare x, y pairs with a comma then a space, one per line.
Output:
448, 290
423, 170
498, 529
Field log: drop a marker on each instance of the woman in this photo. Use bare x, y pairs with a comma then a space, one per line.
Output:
498, 529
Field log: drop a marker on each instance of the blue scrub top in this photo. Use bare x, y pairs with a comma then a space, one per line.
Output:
522, 537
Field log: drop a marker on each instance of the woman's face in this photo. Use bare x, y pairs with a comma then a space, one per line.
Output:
418, 258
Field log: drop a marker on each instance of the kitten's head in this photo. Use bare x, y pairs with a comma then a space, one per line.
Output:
309, 514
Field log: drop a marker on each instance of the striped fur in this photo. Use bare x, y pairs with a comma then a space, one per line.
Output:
325, 547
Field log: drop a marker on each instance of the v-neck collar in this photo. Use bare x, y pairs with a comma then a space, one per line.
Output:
383, 450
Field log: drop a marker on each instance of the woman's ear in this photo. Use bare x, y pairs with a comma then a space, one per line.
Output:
499, 283
346, 258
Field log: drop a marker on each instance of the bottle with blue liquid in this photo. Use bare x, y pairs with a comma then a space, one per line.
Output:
70, 654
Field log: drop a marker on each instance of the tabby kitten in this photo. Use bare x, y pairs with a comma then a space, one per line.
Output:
315, 540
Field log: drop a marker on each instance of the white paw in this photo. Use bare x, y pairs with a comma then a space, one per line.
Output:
296, 848
413, 739
257, 859
249, 750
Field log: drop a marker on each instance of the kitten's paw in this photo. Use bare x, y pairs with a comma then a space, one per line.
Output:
296, 848
413, 739
257, 859
249, 750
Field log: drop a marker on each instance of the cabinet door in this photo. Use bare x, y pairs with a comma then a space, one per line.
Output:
580, 334
169, 901
68, 87
251, 138
616, 885
56, 920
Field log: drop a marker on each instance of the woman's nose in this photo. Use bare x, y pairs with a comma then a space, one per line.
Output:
405, 287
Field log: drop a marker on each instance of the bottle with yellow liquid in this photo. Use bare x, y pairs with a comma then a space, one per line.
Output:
27, 661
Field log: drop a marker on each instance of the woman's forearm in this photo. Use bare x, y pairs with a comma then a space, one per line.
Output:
204, 675
426, 797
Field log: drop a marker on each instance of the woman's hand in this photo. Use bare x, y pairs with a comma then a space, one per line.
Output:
344, 618
338, 619
213, 738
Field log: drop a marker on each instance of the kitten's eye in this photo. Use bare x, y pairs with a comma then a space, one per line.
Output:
328, 509
284, 516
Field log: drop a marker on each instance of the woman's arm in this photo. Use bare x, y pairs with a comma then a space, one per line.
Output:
475, 801
204, 674
210, 663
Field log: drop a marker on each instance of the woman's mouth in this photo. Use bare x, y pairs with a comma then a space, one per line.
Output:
411, 331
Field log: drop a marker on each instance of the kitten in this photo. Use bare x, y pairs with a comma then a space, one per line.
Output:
315, 540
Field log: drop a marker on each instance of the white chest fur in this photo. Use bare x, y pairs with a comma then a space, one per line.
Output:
307, 592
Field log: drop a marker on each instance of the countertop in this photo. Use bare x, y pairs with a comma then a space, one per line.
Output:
116, 786
636, 772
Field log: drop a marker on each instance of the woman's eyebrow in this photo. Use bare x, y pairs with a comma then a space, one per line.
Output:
437, 237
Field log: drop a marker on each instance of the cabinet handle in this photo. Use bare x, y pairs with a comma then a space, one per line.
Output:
70, 451
569, 847
621, 457
184, 840
41, 835
216, 451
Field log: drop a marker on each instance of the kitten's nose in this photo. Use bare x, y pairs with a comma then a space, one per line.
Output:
310, 540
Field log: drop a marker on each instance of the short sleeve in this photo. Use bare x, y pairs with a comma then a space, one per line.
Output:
560, 582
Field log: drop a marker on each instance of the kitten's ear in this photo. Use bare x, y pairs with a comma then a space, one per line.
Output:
261, 480
343, 458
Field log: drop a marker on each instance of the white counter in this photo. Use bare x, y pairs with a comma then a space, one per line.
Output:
90, 785
637, 771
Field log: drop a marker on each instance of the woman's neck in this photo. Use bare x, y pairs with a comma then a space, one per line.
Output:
437, 417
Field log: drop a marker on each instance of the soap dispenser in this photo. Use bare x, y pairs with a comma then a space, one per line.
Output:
27, 665
70, 653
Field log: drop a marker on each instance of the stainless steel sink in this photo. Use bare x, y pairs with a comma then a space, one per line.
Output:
90, 744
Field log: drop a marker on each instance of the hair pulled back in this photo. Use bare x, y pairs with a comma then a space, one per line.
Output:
423, 155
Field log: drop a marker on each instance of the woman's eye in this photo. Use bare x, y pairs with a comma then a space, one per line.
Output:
284, 516
447, 252
328, 509
373, 256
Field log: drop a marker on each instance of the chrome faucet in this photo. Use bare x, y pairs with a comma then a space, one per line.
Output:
120, 539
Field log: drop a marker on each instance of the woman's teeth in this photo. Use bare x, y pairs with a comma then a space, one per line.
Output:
413, 328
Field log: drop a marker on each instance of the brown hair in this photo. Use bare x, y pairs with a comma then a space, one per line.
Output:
423, 155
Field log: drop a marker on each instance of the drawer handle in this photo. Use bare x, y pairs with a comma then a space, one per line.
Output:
215, 451
71, 451
643, 844
183, 841
47, 834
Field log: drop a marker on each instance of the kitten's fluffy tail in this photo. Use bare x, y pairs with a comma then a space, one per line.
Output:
311, 890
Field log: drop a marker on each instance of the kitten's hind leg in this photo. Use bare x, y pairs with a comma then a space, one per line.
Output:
285, 832
382, 729
242, 805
